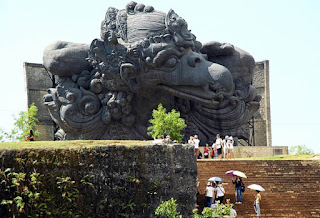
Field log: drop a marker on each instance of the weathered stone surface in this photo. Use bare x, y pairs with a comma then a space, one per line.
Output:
122, 176
66, 58
146, 57
38, 81
262, 118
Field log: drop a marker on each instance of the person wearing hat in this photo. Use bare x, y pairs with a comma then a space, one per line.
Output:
230, 147
209, 192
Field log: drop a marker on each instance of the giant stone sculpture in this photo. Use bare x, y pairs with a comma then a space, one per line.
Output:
107, 90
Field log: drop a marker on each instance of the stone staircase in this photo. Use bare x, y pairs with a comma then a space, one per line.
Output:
292, 186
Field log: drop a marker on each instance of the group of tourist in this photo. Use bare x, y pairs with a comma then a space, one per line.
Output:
223, 147
220, 148
215, 193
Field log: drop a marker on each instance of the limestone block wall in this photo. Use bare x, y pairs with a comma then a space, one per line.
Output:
37, 82
111, 180
257, 151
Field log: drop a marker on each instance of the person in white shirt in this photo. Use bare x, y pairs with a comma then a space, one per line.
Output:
230, 147
219, 146
196, 145
220, 193
233, 212
209, 192
225, 147
191, 140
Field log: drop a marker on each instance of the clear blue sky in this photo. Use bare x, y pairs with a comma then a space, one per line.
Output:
286, 33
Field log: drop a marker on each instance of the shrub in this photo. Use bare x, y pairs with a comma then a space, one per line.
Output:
168, 209
222, 209
164, 123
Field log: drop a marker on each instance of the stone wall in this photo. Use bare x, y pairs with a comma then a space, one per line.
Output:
37, 83
112, 180
262, 118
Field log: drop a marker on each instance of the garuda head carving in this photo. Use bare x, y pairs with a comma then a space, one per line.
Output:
146, 57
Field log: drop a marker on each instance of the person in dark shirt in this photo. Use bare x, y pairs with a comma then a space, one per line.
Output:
30, 136
238, 184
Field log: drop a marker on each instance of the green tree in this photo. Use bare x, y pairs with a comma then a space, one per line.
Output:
301, 150
25, 122
164, 123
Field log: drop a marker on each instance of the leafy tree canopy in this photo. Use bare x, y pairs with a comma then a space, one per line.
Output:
25, 122
164, 123
301, 150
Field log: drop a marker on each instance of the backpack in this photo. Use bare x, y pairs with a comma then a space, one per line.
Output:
243, 187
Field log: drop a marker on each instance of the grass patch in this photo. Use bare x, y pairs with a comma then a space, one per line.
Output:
69, 144
285, 157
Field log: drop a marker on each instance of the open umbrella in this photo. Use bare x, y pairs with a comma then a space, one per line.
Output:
215, 179
230, 173
236, 173
239, 173
256, 187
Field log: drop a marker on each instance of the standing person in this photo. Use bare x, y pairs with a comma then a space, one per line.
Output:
196, 145
209, 194
192, 142
30, 136
257, 203
215, 151
206, 151
238, 184
230, 148
220, 193
225, 147
219, 146
198, 185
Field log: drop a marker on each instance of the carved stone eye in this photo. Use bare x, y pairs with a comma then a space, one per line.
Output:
171, 62
172, 19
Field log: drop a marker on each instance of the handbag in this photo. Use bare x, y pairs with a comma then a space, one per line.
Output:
243, 187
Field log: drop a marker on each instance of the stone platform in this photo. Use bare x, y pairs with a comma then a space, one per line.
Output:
257, 151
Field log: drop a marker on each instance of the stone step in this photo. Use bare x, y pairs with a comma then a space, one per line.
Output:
292, 187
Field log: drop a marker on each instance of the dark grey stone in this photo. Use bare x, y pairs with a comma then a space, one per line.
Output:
66, 58
140, 175
146, 57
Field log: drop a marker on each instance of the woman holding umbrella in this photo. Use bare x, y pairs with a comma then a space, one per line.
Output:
238, 186
257, 201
